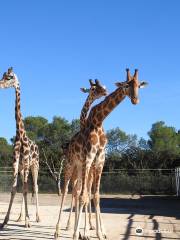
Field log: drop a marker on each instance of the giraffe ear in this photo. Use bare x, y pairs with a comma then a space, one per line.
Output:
85, 90
143, 84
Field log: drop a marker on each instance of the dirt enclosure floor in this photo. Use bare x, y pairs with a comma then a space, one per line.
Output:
154, 217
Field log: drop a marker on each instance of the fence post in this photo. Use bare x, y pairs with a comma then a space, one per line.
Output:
177, 176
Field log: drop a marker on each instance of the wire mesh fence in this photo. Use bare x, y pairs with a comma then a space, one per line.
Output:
131, 181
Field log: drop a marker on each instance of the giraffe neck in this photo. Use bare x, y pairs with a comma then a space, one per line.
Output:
100, 111
18, 116
84, 111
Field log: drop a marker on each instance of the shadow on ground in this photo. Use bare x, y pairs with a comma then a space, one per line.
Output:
168, 206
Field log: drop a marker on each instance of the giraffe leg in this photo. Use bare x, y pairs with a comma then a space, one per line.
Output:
68, 227
25, 191
14, 186
90, 181
77, 191
34, 170
84, 193
86, 227
102, 225
64, 193
22, 203
26, 161
91, 226
76, 210
100, 232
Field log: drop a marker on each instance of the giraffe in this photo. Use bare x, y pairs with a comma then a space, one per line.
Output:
25, 154
96, 91
88, 145
91, 146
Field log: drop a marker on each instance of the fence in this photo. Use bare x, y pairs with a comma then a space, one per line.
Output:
139, 181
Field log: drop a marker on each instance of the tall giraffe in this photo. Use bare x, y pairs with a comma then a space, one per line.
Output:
90, 147
96, 91
25, 154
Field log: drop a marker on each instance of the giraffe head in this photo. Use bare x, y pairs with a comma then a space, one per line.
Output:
96, 90
9, 79
132, 85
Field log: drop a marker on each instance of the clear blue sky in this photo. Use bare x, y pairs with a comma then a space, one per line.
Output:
56, 46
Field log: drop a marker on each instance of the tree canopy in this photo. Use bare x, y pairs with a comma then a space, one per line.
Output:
161, 150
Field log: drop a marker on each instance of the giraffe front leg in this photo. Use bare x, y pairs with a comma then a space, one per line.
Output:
91, 226
83, 201
102, 226
22, 203
25, 191
100, 231
21, 212
68, 226
65, 190
6, 219
86, 228
14, 185
90, 182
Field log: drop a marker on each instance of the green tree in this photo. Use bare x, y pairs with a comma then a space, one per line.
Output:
6, 151
118, 143
164, 142
35, 127
75, 126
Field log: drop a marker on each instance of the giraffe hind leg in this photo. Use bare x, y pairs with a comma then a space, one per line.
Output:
25, 191
64, 193
34, 170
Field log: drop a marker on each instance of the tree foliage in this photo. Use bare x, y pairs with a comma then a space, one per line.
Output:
127, 151
5, 153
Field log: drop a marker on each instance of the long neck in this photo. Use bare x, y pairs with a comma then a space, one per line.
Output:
18, 115
84, 111
99, 112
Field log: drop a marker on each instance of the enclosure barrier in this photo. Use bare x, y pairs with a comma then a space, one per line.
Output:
118, 181
177, 176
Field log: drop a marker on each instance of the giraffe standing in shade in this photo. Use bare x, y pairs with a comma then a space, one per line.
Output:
25, 154
91, 144
96, 91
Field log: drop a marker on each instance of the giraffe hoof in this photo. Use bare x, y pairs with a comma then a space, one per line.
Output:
38, 219
68, 228
27, 225
80, 236
92, 227
56, 235
86, 238
3, 226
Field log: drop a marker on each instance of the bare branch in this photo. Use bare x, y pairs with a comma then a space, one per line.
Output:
49, 168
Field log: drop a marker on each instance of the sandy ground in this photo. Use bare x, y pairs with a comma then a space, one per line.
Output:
158, 217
